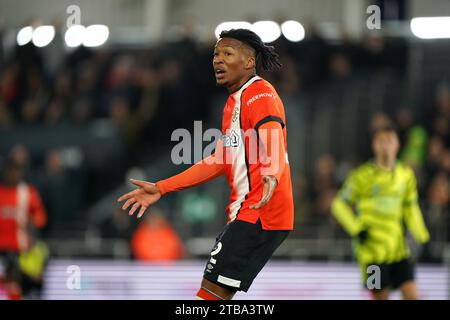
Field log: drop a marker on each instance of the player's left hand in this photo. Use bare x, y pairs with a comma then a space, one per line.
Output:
269, 185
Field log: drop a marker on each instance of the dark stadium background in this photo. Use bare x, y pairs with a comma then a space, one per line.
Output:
86, 119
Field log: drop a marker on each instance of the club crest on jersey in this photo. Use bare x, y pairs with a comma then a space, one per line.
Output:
230, 140
235, 114
376, 190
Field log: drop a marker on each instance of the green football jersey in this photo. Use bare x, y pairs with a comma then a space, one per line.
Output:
382, 202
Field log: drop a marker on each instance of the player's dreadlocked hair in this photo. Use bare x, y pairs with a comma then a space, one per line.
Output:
265, 55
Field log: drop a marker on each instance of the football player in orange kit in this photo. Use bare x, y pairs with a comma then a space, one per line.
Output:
261, 210
20, 209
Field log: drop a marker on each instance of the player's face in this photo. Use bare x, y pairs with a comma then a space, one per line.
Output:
231, 63
386, 144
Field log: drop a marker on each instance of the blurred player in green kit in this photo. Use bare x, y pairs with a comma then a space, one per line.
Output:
377, 201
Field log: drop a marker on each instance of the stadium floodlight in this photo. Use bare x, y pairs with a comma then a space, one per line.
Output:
43, 35
24, 36
293, 30
227, 25
268, 31
96, 35
75, 36
431, 27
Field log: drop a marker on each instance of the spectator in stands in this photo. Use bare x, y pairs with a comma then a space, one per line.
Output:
156, 240
379, 53
438, 116
20, 154
324, 186
54, 185
120, 82
289, 80
31, 112
58, 178
301, 188
62, 86
438, 207
9, 85
311, 54
119, 112
325, 173
404, 120
441, 127
6, 118
445, 163
32, 87
439, 193
82, 112
435, 152
55, 52
413, 139
443, 101
118, 226
55, 113
340, 67
2, 51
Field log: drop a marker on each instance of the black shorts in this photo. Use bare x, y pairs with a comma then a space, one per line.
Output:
240, 252
393, 275
11, 267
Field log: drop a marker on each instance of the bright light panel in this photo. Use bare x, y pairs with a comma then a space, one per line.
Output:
227, 25
293, 30
96, 35
75, 36
24, 36
431, 27
268, 31
43, 35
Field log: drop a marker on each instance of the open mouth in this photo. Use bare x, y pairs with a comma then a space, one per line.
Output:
219, 74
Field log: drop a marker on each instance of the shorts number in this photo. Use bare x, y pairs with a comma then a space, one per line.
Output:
215, 251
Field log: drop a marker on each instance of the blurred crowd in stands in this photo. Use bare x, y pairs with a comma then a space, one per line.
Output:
143, 94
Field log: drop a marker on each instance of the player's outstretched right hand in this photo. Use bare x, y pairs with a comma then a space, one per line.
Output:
146, 195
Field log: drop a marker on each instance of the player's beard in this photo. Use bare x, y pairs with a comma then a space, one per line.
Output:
221, 84
221, 79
